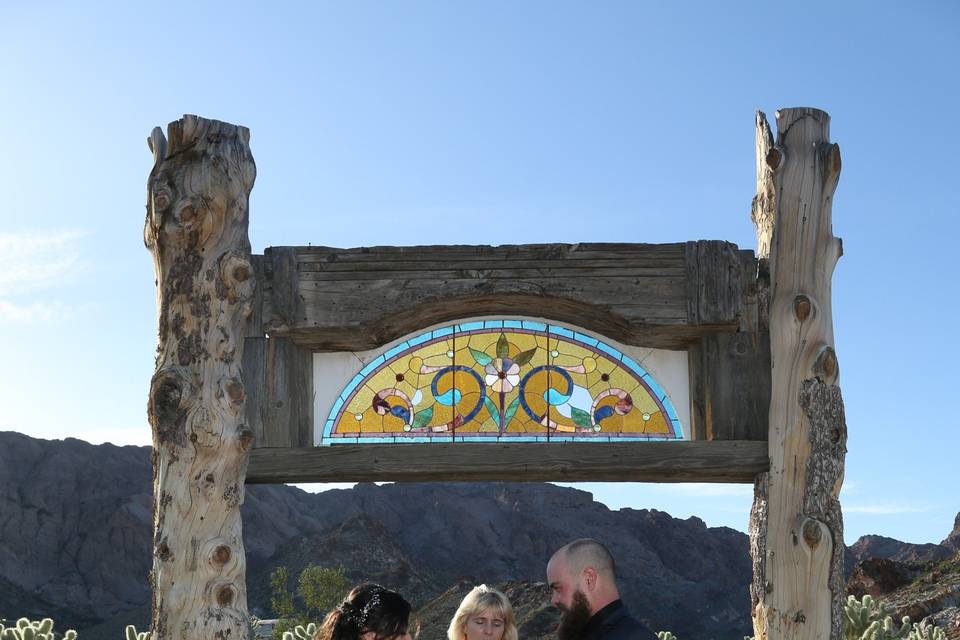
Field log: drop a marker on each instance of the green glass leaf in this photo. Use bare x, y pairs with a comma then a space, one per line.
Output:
580, 417
481, 358
492, 408
525, 356
511, 409
422, 418
503, 347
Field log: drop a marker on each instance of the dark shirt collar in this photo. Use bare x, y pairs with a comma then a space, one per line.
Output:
602, 617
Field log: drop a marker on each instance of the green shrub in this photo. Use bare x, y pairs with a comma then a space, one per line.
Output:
319, 589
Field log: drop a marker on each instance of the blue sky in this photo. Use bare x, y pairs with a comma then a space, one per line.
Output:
392, 123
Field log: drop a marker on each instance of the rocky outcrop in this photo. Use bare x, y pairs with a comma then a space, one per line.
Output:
874, 546
676, 574
75, 524
75, 527
880, 576
931, 592
952, 541
75, 534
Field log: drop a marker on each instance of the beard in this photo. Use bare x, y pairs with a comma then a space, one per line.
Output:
574, 619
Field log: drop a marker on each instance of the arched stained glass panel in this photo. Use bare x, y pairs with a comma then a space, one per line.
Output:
501, 380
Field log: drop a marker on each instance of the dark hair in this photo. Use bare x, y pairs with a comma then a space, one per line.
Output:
368, 607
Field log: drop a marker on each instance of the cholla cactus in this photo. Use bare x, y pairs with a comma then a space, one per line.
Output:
301, 632
132, 634
887, 629
33, 630
859, 615
926, 631
666, 635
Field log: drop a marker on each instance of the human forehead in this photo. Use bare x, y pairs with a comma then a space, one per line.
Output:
490, 612
558, 568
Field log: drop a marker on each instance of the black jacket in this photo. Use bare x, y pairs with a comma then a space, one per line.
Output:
614, 622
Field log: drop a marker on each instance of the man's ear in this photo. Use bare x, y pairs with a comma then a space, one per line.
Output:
590, 578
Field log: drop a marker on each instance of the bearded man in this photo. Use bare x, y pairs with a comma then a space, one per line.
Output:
583, 584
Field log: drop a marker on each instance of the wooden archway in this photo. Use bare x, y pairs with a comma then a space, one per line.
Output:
233, 379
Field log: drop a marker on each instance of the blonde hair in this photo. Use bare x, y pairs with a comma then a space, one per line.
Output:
476, 602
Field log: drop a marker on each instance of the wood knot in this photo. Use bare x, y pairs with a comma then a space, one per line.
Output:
800, 617
825, 367
166, 399
774, 158
221, 555
768, 586
161, 201
236, 278
812, 533
802, 307
235, 391
245, 438
225, 595
163, 552
835, 162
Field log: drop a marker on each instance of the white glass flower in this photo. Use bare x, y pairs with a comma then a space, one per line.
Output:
503, 374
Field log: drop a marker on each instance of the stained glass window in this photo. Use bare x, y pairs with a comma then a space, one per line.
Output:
501, 380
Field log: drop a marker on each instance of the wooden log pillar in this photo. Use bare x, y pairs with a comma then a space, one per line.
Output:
196, 228
796, 526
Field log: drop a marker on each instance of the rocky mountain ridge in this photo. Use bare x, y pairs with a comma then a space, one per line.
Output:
76, 520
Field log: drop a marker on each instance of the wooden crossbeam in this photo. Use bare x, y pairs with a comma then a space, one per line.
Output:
737, 461
665, 296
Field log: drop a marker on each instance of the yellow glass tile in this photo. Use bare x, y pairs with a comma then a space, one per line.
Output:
590, 380
383, 379
613, 424
563, 423
643, 401
533, 393
534, 427
620, 379
488, 426
372, 422
485, 342
657, 424
521, 342
393, 424
442, 415
519, 426
347, 424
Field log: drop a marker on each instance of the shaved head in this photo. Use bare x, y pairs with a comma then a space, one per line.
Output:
582, 570
587, 552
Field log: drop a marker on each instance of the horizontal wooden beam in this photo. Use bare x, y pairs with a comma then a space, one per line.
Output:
718, 461
653, 295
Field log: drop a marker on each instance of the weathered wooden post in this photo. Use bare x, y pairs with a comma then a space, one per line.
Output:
196, 229
796, 526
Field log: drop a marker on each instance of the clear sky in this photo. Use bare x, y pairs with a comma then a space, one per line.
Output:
395, 123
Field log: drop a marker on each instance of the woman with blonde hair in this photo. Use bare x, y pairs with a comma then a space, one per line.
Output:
484, 614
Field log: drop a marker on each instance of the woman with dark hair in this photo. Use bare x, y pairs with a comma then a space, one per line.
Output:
369, 612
